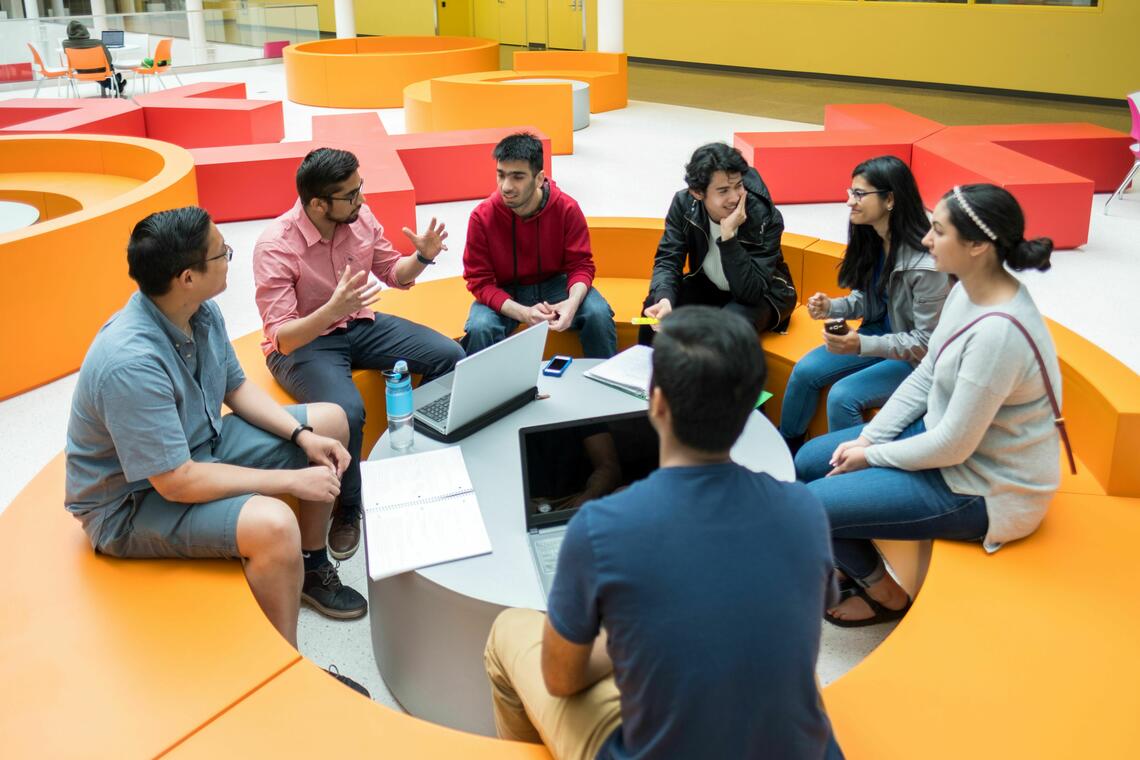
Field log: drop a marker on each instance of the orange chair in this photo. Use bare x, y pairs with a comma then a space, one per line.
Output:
91, 65
59, 75
160, 64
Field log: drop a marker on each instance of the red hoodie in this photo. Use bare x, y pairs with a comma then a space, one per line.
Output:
553, 241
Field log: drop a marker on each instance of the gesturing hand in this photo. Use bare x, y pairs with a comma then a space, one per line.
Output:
430, 243
352, 293
819, 306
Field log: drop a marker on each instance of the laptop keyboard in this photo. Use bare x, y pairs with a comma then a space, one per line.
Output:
436, 411
546, 549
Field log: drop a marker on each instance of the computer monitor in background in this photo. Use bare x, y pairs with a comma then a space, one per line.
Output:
112, 38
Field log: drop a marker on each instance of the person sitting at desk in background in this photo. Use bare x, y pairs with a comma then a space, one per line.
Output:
528, 258
895, 290
310, 268
155, 470
677, 569
725, 225
79, 38
965, 449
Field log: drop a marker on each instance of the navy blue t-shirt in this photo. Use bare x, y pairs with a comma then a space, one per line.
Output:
711, 584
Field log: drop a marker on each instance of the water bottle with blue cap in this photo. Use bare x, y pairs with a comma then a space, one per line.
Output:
398, 397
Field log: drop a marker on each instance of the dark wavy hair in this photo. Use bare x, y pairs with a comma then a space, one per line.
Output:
709, 159
1001, 213
908, 224
521, 146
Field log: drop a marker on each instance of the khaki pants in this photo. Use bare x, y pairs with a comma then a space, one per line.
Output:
573, 728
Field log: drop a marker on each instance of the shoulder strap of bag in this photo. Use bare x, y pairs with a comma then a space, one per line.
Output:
1058, 420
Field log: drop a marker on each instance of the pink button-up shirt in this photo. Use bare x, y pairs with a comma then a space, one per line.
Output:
296, 272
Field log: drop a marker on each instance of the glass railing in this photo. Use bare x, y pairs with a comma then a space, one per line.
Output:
215, 35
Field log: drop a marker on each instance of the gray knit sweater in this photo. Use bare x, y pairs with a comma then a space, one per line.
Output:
989, 425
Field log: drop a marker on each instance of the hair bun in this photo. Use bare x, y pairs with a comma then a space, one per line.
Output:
1031, 254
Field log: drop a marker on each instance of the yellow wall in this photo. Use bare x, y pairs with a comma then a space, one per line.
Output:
536, 20
1074, 51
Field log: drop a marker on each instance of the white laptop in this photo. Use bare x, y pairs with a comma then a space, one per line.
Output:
483, 387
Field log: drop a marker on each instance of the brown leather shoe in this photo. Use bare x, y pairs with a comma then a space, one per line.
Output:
344, 533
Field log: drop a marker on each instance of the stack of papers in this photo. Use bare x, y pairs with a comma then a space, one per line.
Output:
629, 371
420, 510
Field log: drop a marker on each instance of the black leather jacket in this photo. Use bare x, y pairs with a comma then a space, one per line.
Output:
753, 263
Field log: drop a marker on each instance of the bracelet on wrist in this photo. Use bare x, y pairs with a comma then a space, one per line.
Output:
297, 431
423, 259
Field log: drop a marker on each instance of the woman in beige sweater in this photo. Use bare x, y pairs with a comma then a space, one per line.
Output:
966, 448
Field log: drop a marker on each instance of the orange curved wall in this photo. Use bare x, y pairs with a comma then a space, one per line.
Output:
371, 72
65, 276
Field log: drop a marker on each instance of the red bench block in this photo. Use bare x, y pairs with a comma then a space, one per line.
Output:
815, 167
25, 116
1057, 203
211, 114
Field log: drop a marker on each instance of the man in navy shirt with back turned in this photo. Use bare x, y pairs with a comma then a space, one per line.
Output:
710, 581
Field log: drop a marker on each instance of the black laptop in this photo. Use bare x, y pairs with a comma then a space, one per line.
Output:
558, 462
112, 38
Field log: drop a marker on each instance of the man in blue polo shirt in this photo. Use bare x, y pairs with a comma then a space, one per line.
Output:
710, 581
155, 470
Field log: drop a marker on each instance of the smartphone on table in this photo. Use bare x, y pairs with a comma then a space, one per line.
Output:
557, 365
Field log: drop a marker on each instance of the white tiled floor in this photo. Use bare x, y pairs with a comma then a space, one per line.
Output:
627, 163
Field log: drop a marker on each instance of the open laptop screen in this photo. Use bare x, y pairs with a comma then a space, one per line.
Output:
566, 464
112, 37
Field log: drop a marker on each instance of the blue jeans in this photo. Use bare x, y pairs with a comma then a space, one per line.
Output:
594, 320
884, 502
857, 383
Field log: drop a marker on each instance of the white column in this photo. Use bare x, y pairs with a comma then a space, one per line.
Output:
196, 22
611, 26
57, 8
345, 15
31, 9
99, 13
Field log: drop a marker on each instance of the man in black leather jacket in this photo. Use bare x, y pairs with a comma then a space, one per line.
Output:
728, 229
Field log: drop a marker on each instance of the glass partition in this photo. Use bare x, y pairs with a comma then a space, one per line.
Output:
237, 33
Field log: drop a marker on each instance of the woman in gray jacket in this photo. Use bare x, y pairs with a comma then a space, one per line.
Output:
895, 290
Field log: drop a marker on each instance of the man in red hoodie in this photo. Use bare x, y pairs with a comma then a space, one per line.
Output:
528, 258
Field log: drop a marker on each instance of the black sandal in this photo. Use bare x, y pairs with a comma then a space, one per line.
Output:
882, 614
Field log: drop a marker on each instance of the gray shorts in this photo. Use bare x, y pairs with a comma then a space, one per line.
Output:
146, 525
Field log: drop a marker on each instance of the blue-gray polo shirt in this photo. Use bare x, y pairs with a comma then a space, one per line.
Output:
149, 398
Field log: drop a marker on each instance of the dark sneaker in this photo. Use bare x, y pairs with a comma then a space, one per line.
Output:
323, 591
332, 671
344, 533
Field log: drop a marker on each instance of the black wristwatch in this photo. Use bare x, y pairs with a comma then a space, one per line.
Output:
425, 261
298, 431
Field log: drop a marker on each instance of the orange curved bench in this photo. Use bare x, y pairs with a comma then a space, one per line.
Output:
371, 72
91, 190
1025, 653
483, 99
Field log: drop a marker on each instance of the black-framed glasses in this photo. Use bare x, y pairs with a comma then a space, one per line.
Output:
352, 197
858, 195
227, 252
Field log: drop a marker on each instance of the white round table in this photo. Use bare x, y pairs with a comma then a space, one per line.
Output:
15, 215
580, 92
429, 626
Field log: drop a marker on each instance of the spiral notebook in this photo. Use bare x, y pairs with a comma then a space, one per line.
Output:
420, 510
628, 371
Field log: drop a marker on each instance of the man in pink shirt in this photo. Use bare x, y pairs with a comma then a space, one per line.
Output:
311, 269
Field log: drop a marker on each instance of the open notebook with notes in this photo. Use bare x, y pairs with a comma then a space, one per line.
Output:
419, 510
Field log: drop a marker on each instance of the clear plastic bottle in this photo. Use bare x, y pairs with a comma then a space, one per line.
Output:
398, 399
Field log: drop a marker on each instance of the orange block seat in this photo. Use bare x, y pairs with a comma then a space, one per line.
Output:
100, 116
606, 73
